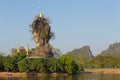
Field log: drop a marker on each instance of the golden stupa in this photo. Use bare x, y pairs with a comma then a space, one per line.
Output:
40, 15
27, 50
18, 49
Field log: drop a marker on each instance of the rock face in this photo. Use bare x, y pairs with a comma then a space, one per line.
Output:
41, 31
84, 51
113, 50
43, 51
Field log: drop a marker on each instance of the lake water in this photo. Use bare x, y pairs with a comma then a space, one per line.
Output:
69, 77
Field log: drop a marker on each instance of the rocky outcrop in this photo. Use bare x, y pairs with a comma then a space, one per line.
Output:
84, 51
113, 50
41, 31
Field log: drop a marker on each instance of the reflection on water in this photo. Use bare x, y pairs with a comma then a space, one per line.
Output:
68, 77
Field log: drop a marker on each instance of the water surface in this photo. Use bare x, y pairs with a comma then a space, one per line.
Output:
68, 77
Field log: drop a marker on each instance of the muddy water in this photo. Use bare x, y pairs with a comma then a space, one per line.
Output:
68, 77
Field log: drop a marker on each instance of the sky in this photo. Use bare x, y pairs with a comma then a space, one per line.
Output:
76, 23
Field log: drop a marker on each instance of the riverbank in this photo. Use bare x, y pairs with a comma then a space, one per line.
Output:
12, 74
103, 71
87, 71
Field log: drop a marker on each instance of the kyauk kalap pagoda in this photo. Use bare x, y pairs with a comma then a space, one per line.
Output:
41, 31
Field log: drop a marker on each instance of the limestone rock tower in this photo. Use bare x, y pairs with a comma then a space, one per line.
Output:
41, 31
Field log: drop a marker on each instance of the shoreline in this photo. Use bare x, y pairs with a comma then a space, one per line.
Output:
12, 74
103, 71
87, 71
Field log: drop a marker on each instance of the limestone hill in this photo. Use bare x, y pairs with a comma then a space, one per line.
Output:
84, 51
113, 50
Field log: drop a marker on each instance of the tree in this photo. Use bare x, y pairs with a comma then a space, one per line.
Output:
20, 56
52, 65
23, 66
10, 64
68, 64
92, 63
1, 62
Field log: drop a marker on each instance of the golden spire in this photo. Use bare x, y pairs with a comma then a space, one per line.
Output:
27, 50
40, 15
18, 49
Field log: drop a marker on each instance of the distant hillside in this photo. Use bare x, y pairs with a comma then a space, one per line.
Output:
113, 50
84, 51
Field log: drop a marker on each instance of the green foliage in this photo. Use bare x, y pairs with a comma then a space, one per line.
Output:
23, 66
1, 62
33, 64
52, 65
93, 63
104, 62
10, 64
19, 62
41, 65
68, 64
38, 65
48, 65
79, 60
20, 56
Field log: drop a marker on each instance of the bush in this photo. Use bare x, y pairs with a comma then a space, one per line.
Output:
1, 62
23, 66
10, 64
68, 64
52, 65
47, 65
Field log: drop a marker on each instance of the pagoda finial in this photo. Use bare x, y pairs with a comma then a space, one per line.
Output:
18, 49
27, 50
40, 15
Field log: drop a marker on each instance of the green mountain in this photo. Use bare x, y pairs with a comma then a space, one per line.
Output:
84, 51
113, 50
